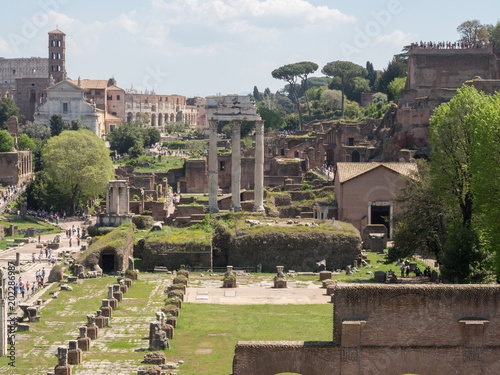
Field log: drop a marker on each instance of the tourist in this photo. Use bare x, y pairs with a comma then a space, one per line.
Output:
407, 271
22, 292
16, 288
70, 242
403, 269
33, 257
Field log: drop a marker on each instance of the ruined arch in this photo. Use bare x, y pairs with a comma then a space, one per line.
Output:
153, 119
355, 157
160, 119
172, 117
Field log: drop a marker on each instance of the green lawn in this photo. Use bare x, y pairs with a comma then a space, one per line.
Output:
23, 224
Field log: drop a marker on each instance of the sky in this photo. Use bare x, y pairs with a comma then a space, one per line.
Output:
212, 47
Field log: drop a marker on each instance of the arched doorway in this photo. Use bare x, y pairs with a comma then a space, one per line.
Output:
355, 157
130, 116
153, 119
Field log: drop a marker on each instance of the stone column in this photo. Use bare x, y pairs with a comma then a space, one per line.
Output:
108, 198
236, 165
213, 177
259, 167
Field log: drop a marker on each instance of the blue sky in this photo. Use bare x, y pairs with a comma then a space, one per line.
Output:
207, 47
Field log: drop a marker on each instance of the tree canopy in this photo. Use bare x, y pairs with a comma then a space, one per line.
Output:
6, 141
126, 139
78, 164
25, 143
472, 31
35, 130
57, 125
8, 108
346, 70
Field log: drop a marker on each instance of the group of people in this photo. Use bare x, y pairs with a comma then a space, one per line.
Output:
8, 193
23, 289
449, 45
405, 270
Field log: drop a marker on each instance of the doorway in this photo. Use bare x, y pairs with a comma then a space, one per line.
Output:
108, 262
381, 215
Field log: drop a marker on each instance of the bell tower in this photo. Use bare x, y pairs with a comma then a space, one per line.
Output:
57, 55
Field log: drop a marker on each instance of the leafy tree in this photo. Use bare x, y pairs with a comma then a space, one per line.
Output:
421, 223
256, 94
346, 70
307, 67
291, 73
395, 87
372, 75
150, 136
6, 141
57, 125
125, 138
272, 119
79, 165
379, 97
267, 91
494, 35
8, 109
35, 130
465, 259
457, 130
472, 31
25, 143
397, 67
330, 100
76, 124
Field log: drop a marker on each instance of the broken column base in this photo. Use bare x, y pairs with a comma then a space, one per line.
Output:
75, 356
63, 370
118, 296
107, 311
93, 332
113, 302
171, 320
84, 343
123, 288
128, 282
100, 321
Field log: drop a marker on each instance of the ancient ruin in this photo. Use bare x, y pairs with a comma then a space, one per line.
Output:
441, 329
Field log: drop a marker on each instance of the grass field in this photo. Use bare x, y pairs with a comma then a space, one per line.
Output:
23, 224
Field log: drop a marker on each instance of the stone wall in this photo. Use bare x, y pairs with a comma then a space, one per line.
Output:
15, 167
296, 249
172, 255
392, 329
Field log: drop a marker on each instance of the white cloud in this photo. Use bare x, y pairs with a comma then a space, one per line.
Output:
5, 48
397, 37
127, 23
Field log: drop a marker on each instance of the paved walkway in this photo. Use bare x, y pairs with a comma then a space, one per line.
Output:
29, 268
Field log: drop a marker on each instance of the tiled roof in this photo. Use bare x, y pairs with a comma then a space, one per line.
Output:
114, 88
348, 171
99, 84
56, 31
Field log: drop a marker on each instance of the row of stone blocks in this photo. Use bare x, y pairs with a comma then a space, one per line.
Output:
74, 355
162, 329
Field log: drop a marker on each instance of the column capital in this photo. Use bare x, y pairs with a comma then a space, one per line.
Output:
236, 123
259, 126
213, 124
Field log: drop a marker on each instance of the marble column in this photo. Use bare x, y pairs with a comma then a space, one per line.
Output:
236, 165
259, 167
213, 178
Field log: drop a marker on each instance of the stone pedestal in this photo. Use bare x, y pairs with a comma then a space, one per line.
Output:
118, 296
171, 320
325, 275
93, 332
279, 279
169, 330
84, 343
128, 282
113, 303
107, 311
75, 355
123, 288
100, 320
62, 368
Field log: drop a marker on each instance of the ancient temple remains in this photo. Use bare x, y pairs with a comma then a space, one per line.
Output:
235, 109
117, 205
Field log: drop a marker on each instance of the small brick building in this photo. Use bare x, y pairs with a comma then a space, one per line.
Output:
15, 167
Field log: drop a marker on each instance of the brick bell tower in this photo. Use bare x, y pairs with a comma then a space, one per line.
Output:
57, 55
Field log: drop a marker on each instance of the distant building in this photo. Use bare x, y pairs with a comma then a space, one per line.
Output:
364, 192
25, 79
68, 100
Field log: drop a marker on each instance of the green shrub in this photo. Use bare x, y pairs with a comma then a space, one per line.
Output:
99, 231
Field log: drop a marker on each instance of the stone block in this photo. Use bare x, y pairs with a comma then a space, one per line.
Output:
63, 370
22, 327
280, 283
113, 303
155, 358
84, 343
107, 311
330, 290
75, 356
118, 296
128, 282
229, 283
325, 275
93, 332
123, 288
171, 320
100, 321
380, 276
